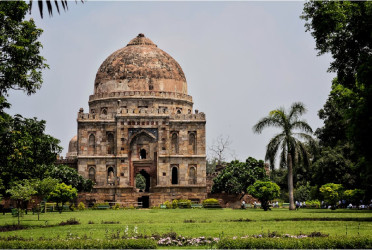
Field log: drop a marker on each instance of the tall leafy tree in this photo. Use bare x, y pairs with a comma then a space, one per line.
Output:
343, 28
292, 149
26, 151
20, 60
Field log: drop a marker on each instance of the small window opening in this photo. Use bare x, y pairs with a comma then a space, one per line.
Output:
174, 175
142, 154
110, 176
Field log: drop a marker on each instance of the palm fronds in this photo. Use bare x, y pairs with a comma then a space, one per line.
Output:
50, 6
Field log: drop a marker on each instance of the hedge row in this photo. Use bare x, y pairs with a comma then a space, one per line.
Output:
291, 243
79, 244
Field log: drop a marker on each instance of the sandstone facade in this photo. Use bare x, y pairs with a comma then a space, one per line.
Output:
141, 121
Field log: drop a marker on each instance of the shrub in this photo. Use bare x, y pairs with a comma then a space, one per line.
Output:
175, 204
116, 206
168, 204
81, 206
184, 203
211, 203
313, 204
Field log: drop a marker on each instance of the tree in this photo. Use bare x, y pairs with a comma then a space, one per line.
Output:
20, 60
70, 176
302, 193
211, 165
62, 194
140, 182
49, 6
292, 149
354, 195
342, 28
26, 151
21, 192
238, 176
334, 165
45, 186
331, 193
264, 191
220, 147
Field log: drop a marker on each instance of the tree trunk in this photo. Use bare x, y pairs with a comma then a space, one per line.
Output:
18, 211
290, 182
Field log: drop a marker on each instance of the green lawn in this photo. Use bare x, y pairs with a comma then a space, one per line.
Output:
196, 222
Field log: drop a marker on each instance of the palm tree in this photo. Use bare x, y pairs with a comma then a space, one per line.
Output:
50, 6
292, 149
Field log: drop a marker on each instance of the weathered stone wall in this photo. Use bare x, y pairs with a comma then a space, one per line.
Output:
129, 197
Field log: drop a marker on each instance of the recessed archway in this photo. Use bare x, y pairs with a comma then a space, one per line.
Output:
147, 177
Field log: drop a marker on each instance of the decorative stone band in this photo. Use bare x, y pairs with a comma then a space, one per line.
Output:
119, 156
141, 94
141, 113
182, 156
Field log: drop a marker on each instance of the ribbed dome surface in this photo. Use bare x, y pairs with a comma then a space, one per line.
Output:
140, 66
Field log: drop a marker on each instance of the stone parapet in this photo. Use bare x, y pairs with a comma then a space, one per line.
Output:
138, 113
141, 94
95, 117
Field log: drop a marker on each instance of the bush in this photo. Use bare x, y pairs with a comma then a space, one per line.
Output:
175, 204
184, 203
292, 243
116, 206
81, 206
211, 203
79, 244
168, 204
313, 204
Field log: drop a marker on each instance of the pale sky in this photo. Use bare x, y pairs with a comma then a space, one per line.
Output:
241, 60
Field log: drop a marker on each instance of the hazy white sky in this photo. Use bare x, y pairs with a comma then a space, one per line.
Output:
241, 60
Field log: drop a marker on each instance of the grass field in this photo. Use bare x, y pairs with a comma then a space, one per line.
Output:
195, 222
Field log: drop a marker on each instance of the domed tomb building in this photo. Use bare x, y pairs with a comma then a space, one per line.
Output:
141, 121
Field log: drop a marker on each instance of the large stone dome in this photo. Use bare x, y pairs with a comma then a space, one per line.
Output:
140, 66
